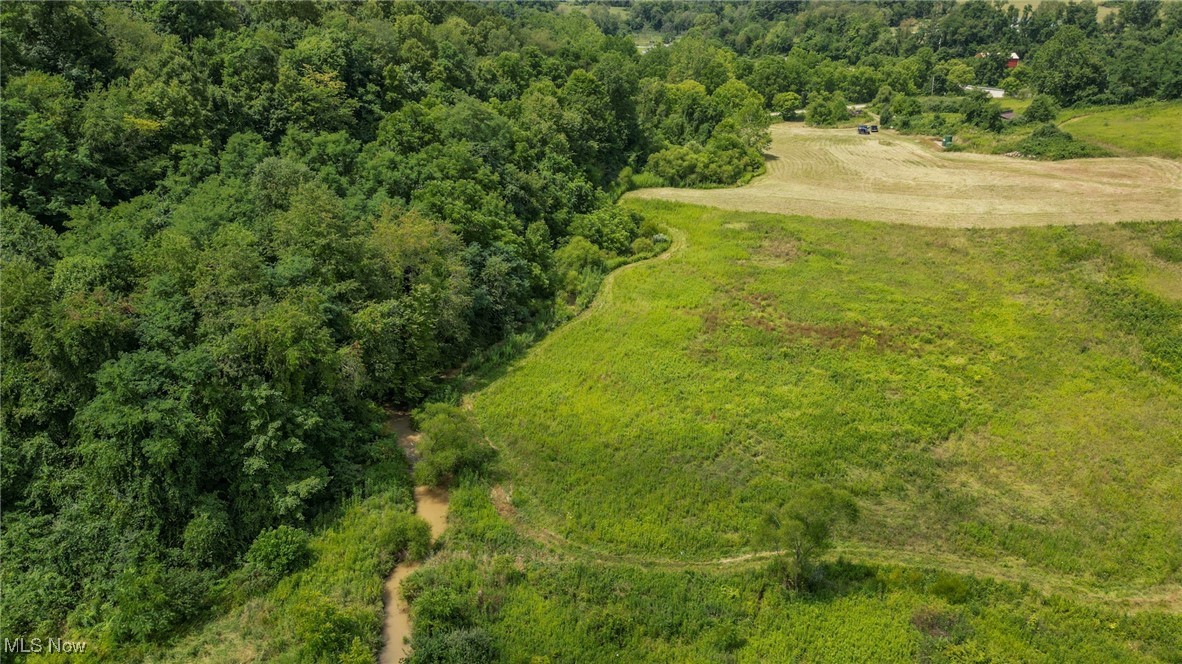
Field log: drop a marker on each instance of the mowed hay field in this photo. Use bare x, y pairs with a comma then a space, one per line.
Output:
1005, 403
906, 179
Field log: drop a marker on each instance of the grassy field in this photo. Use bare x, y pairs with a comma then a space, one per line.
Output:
1151, 129
906, 179
551, 603
1004, 402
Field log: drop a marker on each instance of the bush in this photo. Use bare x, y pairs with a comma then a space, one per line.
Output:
575, 258
469, 646
151, 600
206, 534
980, 111
644, 180
642, 246
649, 228
677, 165
942, 104
611, 228
439, 610
786, 104
904, 105
1050, 142
1043, 108
324, 630
1168, 251
451, 445
950, 587
826, 109
724, 161
278, 552
587, 286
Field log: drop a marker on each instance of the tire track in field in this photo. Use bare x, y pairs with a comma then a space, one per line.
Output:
1163, 597
677, 244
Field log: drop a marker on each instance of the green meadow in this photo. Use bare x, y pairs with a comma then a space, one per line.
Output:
1153, 129
1005, 403
509, 599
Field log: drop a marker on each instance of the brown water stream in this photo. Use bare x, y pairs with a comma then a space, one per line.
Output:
431, 505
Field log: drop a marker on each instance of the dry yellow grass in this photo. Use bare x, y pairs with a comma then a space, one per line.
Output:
902, 179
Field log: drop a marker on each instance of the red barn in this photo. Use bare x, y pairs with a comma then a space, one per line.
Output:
1013, 61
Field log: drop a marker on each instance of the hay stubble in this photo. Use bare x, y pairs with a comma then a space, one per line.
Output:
835, 173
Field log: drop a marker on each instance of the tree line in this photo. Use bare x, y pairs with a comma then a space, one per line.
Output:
1070, 50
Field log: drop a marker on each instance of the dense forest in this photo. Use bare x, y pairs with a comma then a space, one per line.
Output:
233, 233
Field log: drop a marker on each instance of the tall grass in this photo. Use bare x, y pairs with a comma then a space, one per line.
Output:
975, 389
1139, 129
535, 605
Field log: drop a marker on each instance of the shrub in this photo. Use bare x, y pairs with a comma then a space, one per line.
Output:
1168, 251
980, 111
677, 165
324, 630
786, 104
471, 646
611, 228
151, 600
646, 179
1043, 108
451, 445
649, 228
902, 105
586, 287
950, 587
642, 246
439, 610
942, 104
826, 109
1050, 142
278, 552
206, 534
883, 98
724, 161
573, 259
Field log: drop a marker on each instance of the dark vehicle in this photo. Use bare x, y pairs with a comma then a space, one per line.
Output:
874, 128
863, 129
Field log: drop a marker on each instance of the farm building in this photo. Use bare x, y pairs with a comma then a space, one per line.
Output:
1011, 61
994, 93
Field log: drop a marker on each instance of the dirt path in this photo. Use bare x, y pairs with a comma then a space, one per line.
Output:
432, 506
900, 179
